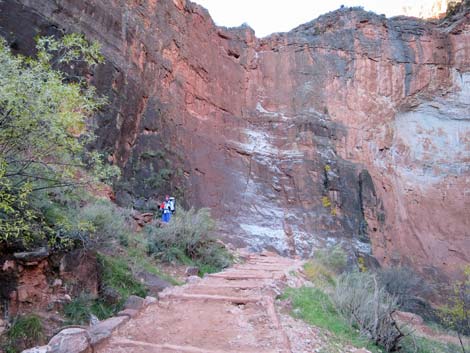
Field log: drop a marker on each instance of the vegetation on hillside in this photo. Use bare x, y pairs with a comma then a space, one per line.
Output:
45, 126
187, 239
457, 313
357, 308
24, 332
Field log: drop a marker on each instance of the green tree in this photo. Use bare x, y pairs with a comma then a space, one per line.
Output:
457, 313
45, 125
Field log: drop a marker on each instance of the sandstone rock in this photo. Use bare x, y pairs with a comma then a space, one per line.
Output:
104, 329
79, 269
9, 265
153, 283
191, 271
32, 288
150, 300
128, 312
110, 295
42, 349
143, 217
71, 340
32, 257
134, 302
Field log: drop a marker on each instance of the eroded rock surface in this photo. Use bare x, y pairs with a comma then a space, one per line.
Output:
352, 128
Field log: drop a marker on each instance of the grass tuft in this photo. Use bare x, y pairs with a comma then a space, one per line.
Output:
25, 331
116, 273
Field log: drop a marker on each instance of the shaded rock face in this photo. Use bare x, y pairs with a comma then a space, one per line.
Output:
39, 281
352, 128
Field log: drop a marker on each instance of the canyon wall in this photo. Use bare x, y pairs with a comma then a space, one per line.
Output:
351, 129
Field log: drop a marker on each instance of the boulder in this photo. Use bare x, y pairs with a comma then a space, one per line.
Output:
110, 295
150, 300
191, 271
104, 329
134, 302
153, 283
71, 340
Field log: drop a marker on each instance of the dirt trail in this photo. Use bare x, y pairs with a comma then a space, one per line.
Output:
228, 312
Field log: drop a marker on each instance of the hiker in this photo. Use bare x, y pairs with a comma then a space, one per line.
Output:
166, 210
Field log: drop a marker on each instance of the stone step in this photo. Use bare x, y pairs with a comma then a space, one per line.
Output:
241, 276
132, 345
209, 297
228, 285
269, 262
216, 290
269, 268
241, 283
263, 267
251, 272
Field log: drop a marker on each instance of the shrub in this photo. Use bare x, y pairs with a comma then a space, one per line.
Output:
455, 6
406, 285
45, 128
25, 331
457, 314
318, 273
335, 258
98, 223
186, 239
326, 202
107, 221
369, 307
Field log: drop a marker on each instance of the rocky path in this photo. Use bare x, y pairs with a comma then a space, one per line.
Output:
228, 312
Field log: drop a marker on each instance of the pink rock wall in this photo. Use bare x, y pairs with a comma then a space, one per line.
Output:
350, 129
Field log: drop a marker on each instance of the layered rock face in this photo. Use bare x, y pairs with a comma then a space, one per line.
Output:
351, 129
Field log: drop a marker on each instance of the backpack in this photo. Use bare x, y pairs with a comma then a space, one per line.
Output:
172, 204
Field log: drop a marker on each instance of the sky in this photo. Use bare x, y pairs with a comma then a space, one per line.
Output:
269, 16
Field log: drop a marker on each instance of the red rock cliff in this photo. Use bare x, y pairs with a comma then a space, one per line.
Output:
352, 128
